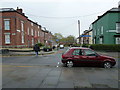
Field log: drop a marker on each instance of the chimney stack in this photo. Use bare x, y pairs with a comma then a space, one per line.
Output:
19, 10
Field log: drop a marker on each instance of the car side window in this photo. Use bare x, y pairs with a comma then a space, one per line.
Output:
77, 52
90, 53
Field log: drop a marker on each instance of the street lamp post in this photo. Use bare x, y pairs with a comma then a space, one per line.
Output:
79, 30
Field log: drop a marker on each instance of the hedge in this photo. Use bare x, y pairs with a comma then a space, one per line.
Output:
101, 47
106, 47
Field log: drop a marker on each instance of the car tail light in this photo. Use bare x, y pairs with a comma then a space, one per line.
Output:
62, 56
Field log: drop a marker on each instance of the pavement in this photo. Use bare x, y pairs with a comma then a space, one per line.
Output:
11, 53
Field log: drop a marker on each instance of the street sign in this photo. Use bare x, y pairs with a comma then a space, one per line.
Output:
85, 35
57, 39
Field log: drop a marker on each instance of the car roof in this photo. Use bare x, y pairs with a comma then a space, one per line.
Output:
79, 48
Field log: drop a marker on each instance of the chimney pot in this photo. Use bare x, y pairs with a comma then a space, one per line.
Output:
19, 10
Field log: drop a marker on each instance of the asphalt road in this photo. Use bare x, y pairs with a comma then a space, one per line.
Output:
47, 71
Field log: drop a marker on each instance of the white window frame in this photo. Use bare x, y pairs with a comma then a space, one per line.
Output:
94, 41
32, 32
117, 40
31, 24
38, 33
117, 27
94, 32
22, 26
101, 29
38, 27
98, 31
23, 40
38, 40
32, 41
7, 38
101, 40
7, 25
22, 33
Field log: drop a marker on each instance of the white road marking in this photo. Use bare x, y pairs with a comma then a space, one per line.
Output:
58, 64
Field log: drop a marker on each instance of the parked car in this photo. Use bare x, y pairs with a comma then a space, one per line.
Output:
47, 49
61, 46
86, 56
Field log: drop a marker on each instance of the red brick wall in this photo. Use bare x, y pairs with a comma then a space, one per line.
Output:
15, 27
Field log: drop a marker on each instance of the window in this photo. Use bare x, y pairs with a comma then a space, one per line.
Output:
32, 41
7, 38
38, 27
117, 40
78, 52
32, 32
101, 40
38, 33
117, 27
38, 41
22, 29
22, 38
7, 24
31, 24
22, 26
89, 53
102, 30
94, 32
98, 32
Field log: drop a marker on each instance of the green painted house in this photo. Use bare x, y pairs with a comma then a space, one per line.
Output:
106, 29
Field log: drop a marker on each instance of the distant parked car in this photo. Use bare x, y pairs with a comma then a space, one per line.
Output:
86, 56
61, 46
47, 49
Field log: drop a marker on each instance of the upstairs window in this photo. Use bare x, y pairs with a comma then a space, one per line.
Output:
102, 30
7, 24
32, 32
31, 24
22, 26
38, 33
94, 32
117, 27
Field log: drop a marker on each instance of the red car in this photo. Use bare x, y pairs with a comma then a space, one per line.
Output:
86, 56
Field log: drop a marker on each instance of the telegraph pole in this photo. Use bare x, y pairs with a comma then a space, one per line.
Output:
79, 30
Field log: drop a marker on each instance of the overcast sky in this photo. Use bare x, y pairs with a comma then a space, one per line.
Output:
61, 16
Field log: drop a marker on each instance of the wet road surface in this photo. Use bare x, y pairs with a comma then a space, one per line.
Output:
47, 71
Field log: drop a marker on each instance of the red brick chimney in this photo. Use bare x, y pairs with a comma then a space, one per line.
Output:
19, 10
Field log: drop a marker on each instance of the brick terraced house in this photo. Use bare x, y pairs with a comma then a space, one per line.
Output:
16, 30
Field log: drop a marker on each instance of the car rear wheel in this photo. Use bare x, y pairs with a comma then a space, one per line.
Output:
107, 65
69, 64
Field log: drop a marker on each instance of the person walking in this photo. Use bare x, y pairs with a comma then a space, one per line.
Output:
36, 48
